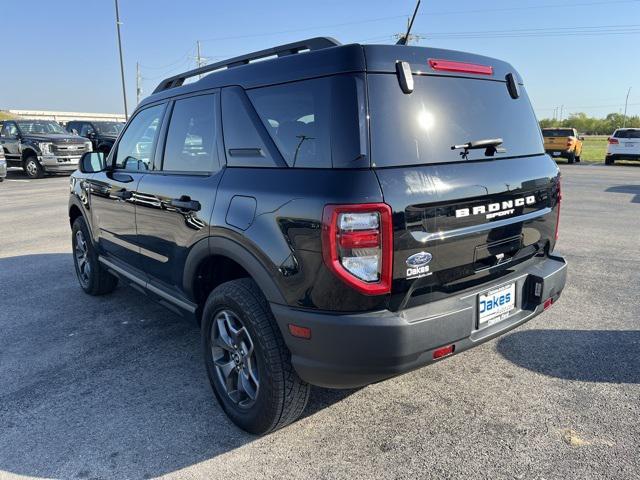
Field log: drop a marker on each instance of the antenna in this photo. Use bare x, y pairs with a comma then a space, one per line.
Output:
404, 40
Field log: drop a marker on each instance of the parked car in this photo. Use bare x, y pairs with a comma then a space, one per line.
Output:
563, 142
40, 146
335, 215
624, 144
3, 166
101, 134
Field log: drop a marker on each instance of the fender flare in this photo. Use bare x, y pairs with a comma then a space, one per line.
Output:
28, 152
227, 247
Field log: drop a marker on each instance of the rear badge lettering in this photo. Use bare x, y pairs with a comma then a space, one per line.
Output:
497, 209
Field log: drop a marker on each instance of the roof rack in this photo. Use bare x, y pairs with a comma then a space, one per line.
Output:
316, 43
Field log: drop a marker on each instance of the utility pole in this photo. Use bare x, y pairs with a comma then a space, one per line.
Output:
561, 109
199, 59
124, 89
624, 118
138, 83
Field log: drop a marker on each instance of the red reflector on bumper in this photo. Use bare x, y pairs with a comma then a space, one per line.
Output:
300, 332
548, 302
443, 351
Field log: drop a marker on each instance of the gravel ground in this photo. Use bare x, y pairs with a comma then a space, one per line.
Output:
114, 387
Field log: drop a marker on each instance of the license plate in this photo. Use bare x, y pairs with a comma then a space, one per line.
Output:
556, 154
630, 144
496, 305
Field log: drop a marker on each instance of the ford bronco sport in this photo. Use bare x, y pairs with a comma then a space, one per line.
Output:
334, 215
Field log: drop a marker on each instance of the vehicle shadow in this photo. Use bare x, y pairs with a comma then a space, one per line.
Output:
607, 356
630, 189
109, 387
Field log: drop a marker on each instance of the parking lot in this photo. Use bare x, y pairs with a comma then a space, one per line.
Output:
115, 387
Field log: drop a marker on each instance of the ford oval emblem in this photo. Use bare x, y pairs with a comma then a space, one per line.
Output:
419, 259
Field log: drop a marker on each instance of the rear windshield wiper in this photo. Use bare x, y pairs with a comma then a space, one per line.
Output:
491, 146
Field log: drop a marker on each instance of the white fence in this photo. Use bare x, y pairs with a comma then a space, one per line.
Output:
68, 116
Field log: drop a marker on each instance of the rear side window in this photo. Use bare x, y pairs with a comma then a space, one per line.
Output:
191, 138
420, 128
627, 134
318, 123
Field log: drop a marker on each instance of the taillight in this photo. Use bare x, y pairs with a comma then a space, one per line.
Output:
559, 203
612, 141
357, 245
463, 67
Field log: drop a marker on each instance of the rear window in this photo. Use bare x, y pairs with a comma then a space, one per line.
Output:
421, 127
317, 123
557, 133
627, 134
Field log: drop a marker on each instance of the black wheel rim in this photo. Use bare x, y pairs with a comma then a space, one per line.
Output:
81, 255
234, 359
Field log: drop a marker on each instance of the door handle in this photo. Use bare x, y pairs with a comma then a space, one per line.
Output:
185, 203
123, 194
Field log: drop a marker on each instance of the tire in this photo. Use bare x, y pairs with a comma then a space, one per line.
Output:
571, 158
240, 333
94, 279
578, 158
32, 167
608, 161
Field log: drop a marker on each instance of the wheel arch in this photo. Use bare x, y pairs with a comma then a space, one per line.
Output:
28, 152
217, 259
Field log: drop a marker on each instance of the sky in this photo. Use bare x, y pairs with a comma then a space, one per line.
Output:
62, 55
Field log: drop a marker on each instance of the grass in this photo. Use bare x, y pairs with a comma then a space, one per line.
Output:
594, 149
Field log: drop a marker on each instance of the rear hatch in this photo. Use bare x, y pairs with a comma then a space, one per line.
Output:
460, 218
556, 139
628, 141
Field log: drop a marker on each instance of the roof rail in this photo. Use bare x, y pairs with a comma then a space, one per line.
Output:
316, 43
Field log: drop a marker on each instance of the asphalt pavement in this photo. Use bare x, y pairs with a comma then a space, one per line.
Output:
115, 387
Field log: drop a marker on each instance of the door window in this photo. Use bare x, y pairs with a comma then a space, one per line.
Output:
9, 129
191, 139
135, 149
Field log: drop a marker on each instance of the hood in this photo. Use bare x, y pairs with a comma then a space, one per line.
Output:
55, 138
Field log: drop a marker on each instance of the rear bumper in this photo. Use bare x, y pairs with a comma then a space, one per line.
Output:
559, 153
352, 350
623, 156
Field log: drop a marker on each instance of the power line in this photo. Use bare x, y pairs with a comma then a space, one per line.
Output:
429, 14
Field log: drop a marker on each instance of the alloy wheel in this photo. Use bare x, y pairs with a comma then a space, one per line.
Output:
81, 252
234, 358
32, 168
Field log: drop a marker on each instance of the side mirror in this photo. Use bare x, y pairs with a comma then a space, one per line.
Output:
92, 162
581, 139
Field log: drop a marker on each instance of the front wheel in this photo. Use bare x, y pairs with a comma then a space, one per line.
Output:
32, 168
571, 158
247, 362
92, 276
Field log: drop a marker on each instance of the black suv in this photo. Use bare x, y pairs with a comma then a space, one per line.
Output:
102, 134
40, 146
334, 215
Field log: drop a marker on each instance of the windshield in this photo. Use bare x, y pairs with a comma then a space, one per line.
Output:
421, 127
108, 128
39, 127
627, 134
557, 133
